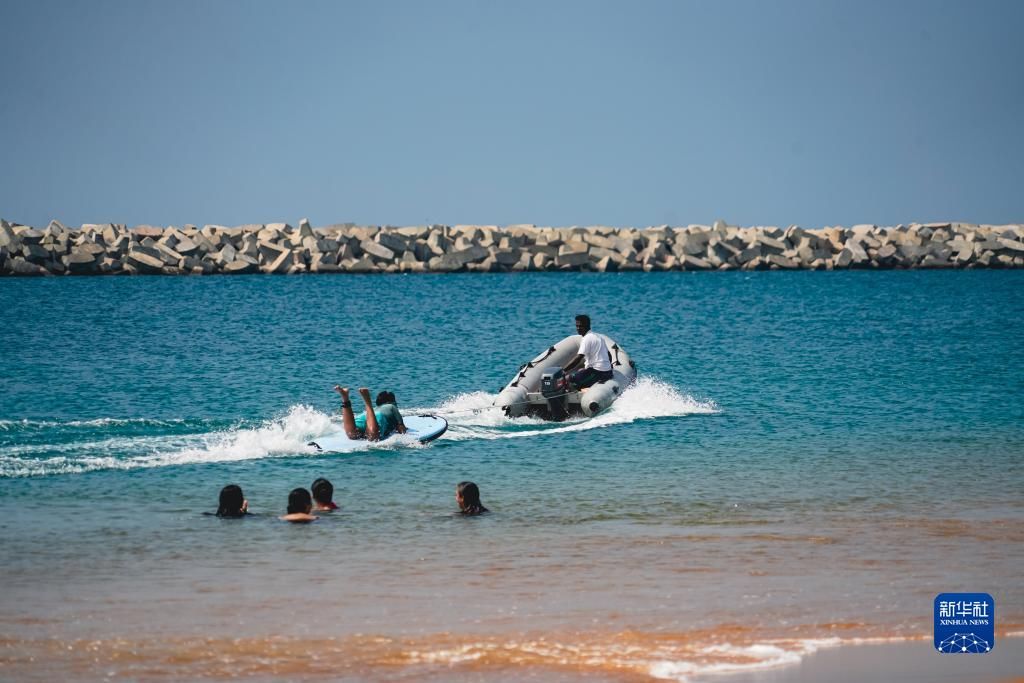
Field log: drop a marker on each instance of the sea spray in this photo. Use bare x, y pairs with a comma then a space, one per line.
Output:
284, 436
120, 444
473, 415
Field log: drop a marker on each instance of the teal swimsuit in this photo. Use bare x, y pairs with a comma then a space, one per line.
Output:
387, 417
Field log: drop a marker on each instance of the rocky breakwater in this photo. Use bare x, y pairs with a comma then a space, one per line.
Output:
281, 248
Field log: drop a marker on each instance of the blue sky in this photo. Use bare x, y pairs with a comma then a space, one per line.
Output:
568, 113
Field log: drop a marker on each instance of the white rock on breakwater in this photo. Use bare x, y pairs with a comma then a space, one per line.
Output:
282, 249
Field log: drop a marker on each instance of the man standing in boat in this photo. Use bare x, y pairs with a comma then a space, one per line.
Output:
593, 354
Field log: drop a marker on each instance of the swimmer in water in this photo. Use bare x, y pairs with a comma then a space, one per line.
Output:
232, 502
300, 505
467, 495
323, 495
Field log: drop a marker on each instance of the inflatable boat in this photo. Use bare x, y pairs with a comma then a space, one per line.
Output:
537, 389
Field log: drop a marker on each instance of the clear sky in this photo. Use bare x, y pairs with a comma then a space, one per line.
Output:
554, 113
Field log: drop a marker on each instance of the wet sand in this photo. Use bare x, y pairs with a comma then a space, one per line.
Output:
895, 662
621, 657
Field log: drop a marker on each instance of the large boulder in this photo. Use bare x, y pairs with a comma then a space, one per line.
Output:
472, 254
542, 261
505, 257
145, 259
81, 261
858, 256
327, 245
240, 266
747, 255
270, 251
570, 255
910, 253
363, 265
281, 264
1013, 246
377, 250
843, 259
771, 244
108, 264
8, 238
438, 243
392, 241
36, 253
596, 240
249, 245
148, 231
17, 265
779, 261
440, 264
170, 256
226, 255
692, 244
29, 235
886, 254
598, 253
691, 262
414, 232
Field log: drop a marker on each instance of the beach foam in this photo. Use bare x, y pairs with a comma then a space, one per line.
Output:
629, 655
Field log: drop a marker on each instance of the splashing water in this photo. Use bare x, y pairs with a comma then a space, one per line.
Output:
97, 448
474, 416
97, 444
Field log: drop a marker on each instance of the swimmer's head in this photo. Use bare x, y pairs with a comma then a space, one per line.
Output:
323, 491
231, 501
467, 495
299, 501
385, 397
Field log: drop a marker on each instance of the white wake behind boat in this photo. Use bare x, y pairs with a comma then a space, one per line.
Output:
536, 389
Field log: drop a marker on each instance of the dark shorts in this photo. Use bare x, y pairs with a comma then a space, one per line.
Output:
588, 377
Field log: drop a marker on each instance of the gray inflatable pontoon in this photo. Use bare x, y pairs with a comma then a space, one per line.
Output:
536, 390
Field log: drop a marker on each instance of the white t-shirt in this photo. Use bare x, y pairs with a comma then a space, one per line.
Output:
595, 352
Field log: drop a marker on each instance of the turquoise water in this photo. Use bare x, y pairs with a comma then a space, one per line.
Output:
806, 454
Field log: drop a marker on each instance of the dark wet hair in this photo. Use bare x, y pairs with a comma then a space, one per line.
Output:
299, 500
231, 500
385, 397
470, 493
323, 491
585, 319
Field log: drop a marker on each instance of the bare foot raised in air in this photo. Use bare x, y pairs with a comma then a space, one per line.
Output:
365, 393
343, 391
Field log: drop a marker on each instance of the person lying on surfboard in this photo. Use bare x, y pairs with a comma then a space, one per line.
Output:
373, 424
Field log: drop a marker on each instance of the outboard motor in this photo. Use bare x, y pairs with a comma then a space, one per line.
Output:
552, 388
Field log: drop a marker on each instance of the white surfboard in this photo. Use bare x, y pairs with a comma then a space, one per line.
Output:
422, 428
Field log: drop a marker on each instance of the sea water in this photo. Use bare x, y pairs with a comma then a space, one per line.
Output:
807, 459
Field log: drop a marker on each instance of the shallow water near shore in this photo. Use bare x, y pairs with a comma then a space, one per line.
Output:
808, 458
